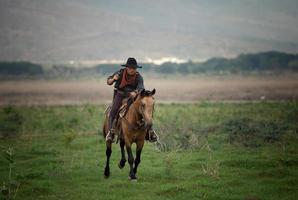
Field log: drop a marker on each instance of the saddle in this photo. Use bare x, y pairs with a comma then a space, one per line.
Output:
120, 114
122, 110
124, 107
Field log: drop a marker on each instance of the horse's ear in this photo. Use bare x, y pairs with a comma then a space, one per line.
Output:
153, 92
142, 93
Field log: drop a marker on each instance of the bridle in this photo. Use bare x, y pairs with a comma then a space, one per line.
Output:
140, 122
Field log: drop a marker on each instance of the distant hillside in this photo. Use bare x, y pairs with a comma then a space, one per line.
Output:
272, 61
56, 31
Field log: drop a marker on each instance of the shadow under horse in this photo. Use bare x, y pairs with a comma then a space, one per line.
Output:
132, 128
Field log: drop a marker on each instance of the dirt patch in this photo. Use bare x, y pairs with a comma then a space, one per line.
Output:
187, 89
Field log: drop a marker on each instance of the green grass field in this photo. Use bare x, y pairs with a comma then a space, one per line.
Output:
206, 151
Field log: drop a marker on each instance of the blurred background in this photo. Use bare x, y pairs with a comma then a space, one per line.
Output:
61, 51
226, 80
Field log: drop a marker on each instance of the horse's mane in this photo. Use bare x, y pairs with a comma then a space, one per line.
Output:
146, 93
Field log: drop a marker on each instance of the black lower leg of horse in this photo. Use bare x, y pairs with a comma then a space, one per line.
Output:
130, 161
138, 157
123, 159
108, 155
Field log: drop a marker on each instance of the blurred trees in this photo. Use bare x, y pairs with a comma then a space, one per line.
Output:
20, 68
245, 63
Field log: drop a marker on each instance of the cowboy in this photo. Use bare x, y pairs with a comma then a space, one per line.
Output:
128, 81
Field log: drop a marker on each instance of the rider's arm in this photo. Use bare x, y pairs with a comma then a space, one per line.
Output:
140, 84
113, 78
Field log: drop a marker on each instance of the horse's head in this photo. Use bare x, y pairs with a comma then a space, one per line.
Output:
145, 106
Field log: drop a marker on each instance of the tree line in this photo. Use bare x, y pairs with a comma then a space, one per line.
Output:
244, 63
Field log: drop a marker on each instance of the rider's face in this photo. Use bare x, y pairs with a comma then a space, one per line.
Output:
131, 71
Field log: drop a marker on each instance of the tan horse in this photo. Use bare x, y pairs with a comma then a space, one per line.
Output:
132, 129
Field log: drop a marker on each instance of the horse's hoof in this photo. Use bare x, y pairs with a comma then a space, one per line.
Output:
107, 173
121, 164
120, 167
134, 178
106, 176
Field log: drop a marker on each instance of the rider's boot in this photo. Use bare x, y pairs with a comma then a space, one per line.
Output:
110, 137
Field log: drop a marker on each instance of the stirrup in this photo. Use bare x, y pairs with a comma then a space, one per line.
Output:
151, 133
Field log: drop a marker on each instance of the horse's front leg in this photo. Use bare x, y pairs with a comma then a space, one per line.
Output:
121, 163
132, 175
108, 154
139, 148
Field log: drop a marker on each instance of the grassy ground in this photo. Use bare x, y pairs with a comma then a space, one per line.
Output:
207, 151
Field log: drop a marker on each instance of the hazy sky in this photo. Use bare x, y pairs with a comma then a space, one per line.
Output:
63, 30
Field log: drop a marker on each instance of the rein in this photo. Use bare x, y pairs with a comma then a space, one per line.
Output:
140, 126
140, 122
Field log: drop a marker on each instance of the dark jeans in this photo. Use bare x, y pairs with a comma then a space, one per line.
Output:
117, 102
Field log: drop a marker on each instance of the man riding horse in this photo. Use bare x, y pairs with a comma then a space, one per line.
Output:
128, 82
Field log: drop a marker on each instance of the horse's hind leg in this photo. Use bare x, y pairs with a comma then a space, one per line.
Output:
138, 155
132, 175
108, 154
121, 163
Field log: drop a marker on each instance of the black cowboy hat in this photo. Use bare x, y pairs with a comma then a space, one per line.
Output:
132, 63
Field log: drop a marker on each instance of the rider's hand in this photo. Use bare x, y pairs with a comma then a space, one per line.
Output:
133, 94
111, 80
115, 77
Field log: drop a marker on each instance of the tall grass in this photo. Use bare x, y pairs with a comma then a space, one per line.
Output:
10, 188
